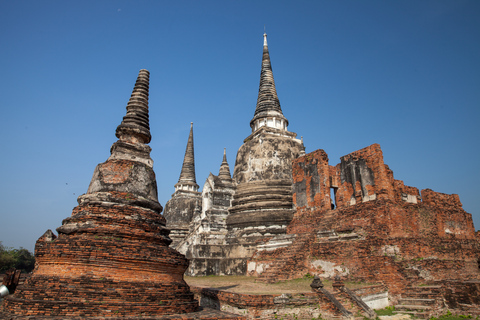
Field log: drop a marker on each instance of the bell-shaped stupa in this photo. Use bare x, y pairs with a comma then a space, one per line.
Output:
263, 201
111, 258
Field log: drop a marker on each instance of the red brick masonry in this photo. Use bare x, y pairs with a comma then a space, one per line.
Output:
379, 231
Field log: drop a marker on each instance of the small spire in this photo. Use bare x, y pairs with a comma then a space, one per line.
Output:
224, 173
265, 40
187, 175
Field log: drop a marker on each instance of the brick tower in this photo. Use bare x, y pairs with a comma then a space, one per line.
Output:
111, 257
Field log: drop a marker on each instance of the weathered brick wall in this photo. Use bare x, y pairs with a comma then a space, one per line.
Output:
311, 182
397, 262
335, 180
397, 243
262, 306
360, 176
440, 200
364, 177
463, 296
405, 193
451, 219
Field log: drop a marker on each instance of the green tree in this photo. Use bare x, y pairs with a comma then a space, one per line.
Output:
7, 261
11, 258
25, 260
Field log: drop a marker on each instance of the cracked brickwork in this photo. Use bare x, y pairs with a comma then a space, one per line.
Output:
380, 229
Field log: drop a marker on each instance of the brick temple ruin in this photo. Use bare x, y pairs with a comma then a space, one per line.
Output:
285, 213
281, 215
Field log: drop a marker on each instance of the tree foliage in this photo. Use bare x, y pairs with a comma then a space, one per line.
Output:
11, 258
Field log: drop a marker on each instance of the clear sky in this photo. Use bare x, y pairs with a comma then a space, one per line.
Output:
404, 74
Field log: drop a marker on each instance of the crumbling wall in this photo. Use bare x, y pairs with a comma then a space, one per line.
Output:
275, 306
359, 177
311, 182
463, 296
406, 193
396, 243
363, 177
451, 219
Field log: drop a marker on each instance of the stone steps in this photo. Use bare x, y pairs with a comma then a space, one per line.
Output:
413, 308
424, 292
413, 301
421, 315
419, 301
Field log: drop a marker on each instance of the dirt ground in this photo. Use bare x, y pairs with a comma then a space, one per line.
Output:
248, 285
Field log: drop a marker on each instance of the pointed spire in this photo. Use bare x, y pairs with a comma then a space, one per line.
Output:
135, 123
268, 104
224, 172
129, 167
187, 179
134, 132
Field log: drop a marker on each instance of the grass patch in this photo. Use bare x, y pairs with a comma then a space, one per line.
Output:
388, 311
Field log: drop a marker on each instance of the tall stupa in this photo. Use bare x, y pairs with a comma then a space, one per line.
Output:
263, 203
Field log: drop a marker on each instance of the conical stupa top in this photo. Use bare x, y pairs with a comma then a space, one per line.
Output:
134, 132
187, 175
129, 169
224, 172
268, 104
135, 125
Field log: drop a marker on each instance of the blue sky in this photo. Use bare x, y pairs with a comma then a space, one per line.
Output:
404, 74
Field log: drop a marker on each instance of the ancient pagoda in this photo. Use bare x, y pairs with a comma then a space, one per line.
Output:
186, 200
111, 258
257, 203
205, 246
263, 168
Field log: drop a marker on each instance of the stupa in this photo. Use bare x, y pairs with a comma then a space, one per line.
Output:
111, 258
186, 200
263, 205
